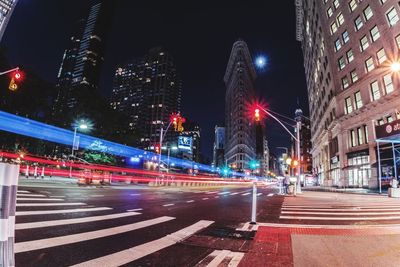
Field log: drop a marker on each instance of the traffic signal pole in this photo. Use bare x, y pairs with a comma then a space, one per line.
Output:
8, 71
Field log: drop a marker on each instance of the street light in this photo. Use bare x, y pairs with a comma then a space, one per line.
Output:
81, 125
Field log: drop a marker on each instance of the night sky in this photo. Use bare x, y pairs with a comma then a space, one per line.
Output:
199, 37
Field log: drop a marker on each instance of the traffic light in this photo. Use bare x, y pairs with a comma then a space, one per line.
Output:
157, 148
180, 122
257, 114
295, 163
16, 78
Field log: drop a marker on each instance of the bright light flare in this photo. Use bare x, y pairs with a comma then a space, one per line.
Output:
395, 67
254, 110
261, 62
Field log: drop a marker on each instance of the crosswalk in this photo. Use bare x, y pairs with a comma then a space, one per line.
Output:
314, 208
221, 258
38, 234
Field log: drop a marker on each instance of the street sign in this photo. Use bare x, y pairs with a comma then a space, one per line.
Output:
185, 143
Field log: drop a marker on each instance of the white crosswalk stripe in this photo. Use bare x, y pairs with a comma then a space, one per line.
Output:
219, 258
140, 251
70, 239
39, 199
49, 204
334, 208
29, 195
20, 226
44, 212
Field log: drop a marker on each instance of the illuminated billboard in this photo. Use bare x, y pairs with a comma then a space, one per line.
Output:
185, 143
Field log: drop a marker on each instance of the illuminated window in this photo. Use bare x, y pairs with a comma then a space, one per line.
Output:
340, 19
383, 1
353, 138
348, 105
381, 55
358, 100
358, 23
388, 82
366, 133
350, 55
368, 13
336, 3
364, 44
345, 82
360, 136
392, 16
338, 44
398, 41
375, 93
374, 33
333, 27
369, 64
329, 12
341, 63
354, 76
381, 122
389, 119
352, 5
345, 37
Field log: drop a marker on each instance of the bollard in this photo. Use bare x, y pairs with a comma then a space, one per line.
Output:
42, 174
254, 204
35, 174
8, 193
27, 171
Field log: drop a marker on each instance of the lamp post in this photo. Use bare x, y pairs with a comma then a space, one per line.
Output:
82, 125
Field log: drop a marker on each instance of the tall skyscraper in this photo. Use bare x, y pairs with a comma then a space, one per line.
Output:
148, 90
6, 10
82, 60
240, 144
350, 51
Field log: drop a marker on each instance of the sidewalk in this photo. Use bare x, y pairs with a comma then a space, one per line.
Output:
320, 246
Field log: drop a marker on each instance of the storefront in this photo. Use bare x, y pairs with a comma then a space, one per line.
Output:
335, 170
358, 169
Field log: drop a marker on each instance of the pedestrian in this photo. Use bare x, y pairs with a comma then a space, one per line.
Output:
287, 183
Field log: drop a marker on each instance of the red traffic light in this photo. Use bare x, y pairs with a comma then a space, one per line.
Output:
257, 114
17, 76
157, 148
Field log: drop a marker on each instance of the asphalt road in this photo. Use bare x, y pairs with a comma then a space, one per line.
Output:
137, 225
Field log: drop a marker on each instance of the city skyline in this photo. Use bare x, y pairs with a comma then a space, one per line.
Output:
190, 61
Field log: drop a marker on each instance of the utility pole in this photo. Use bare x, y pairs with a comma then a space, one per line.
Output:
298, 114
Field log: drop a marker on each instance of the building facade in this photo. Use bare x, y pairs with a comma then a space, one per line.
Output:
6, 9
349, 50
219, 145
83, 58
240, 143
148, 90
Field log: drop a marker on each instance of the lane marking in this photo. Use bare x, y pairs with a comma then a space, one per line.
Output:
234, 193
167, 205
96, 195
259, 194
340, 218
49, 204
189, 201
42, 212
328, 226
140, 251
23, 191
349, 209
245, 194
224, 193
237, 257
341, 213
216, 197
220, 256
270, 195
30, 195
20, 226
75, 238
134, 194
138, 209
40, 199
212, 192
205, 198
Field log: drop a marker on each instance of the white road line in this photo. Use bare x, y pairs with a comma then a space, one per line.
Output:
139, 209
22, 191
245, 194
349, 209
96, 195
140, 251
70, 239
236, 258
167, 205
42, 212
45, 192
205, 198
58, 196
30, 195
216, 197
341, 218
49, 204
218, 258
270, 195
234, 193
189, 201
212, 192
341, 213
20, 226
134, 194
259, 194
224, 193
40, 199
